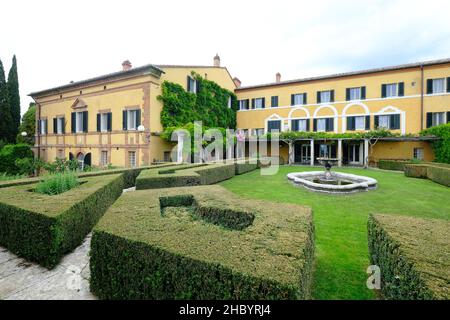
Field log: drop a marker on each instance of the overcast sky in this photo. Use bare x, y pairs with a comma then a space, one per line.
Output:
59, 41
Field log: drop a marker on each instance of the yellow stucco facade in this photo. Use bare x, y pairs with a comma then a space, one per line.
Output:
404, 99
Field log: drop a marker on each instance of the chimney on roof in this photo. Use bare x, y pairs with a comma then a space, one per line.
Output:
216, 60
278, 77
237, 82
126, 65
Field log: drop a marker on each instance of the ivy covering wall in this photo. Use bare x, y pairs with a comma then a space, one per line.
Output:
441, 147
209, 105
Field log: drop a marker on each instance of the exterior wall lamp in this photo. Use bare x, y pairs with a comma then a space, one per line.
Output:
146, 135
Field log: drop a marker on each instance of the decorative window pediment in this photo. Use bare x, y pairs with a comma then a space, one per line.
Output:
79, 104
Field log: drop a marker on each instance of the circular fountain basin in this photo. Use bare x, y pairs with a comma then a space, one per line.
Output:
338, 183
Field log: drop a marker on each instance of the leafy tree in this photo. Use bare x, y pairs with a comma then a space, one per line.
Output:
441, 147
28, 125
14, 97
5, 111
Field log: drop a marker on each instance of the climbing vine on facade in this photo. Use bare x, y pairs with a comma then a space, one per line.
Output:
213, 105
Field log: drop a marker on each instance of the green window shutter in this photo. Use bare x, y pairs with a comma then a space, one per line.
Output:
350, 123
395, 122
110, 121
197, 87
332, 96
292, 99
318, 97
72, 123
367, 122
330, 124
253, 103
85, 121
63, 125
347, 94
383, 91
448, 116
98, 122
263, 103
307, 125
375, 122
188, 86
138, 118
55, 125
363, 93
305, 98
124, 120
315, 125
448, 84
430, 119
46, 126
429, 86
401, 89
294, 125
247, 104
274, 102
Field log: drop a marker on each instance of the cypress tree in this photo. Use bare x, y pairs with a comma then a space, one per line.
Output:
5, 111
14, 97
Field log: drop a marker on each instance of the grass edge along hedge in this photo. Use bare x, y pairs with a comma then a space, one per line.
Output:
435, 172
133, 262
44, 239
403, 274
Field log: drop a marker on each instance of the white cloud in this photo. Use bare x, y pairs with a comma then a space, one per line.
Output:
56, 42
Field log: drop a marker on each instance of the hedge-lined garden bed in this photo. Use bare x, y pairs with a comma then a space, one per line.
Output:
201, 243
185, 175
439, 173
413, 255
396, 165
41, 228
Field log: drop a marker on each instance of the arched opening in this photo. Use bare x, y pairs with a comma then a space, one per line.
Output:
87, 159
80, 158
71, 156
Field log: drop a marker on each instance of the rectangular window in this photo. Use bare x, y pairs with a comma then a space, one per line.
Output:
132, 158
299, 125
103, 122
360, 123
104, 158
273, 125
391, 90
298, 99
274, 101
243, 104
191, 85
43, 126
325, 96
258, 103
79, 122
321, 125
384, 122
59, 125
438, 85
229, 103
418, 153
355, 93
438, 118
132, 119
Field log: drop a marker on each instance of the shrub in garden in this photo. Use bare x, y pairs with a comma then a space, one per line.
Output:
42, 228
57, 183
10, 153
413, 256
397, 165
201, 243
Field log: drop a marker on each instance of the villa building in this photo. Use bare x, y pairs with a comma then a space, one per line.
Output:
97, 120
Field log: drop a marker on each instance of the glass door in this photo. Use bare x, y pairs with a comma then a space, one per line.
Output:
353, 156
306, 153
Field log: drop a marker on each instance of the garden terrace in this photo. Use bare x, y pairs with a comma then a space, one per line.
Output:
185, 175
41, 228
201, 243
413, 255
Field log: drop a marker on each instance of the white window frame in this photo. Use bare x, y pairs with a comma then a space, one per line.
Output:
390, 93
79, 122
42, 127
301, 97
362, 123
388, 121
418, 153
438, 118
131, 125
259, 103
104, 122
434, 85
104, 158
242, 104
355, 94
322, 122
59, 125
302, 124
229, 102
325, 94
132, 159
192, 85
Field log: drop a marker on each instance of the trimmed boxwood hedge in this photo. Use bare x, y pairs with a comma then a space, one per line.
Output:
41, 228
437, 172
413, 256
244, 166
397, 165
201, 243
184, 175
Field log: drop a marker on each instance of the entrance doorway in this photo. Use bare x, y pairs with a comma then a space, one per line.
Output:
302, 153
354, 156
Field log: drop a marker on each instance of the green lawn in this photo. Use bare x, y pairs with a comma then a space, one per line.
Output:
341, 220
